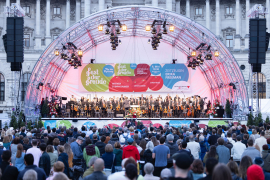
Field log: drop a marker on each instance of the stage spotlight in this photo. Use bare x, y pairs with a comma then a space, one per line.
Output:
199, 57
107, 31
80, 53
208, 48
120, 42
56, 52
147, 27
208, 57
75, 66
62, 56
193, 53
118, 31
197, 63
149, 41
124, 27
92, 61
216, 53
159, 35
174, 60
189, 64
154, 48
154, 31
69, 62
171, 28
113, 48
112, 35
73, 55
201, 61
100, 27
165, 31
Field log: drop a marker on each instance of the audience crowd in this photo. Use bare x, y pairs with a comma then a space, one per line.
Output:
232, 152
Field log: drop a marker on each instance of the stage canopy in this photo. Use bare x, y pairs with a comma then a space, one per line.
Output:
219, 73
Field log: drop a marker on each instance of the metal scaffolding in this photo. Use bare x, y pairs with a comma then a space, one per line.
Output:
188, 34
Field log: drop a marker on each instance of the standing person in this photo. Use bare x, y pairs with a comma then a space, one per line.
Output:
29, 164
6, 143
90, 151
197, 169
234, 170
173, 149
251, 151
67, 149
53, 156
57, 168
77, 150
131, 151
101, 145
63, 157
211, 154
109, 159
237, 150
221, 172
19, 158
212, 140
8, 172
209, 168
35, 152
97, 174
44, 162
13, 149
182, 165
261, 141
246, 161
148, 152
118, 156
160, 153
223, 152
194, 147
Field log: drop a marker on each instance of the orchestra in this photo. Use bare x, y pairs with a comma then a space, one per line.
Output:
190, 107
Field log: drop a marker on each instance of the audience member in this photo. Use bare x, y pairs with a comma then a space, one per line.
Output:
8, 172
35, 152
221, 172
98, 168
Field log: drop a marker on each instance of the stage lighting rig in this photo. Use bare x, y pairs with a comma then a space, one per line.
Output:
92, 61
174, 60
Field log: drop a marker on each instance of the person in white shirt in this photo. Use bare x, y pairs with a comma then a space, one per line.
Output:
35, 152
237, 150
194, 147
261, 141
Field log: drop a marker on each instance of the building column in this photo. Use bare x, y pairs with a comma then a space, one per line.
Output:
247, 25
18, 2
155, 3
48, 23
178, 6
38, 37
237, 37
101, 5
78, 10
169, 5
267, 4
188, 8
87, 8
207, 18
68, 14
217, 19
7, 2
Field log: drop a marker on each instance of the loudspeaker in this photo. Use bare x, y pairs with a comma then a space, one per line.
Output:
74, 120
119, 115
256, 67
64, 98
16, 66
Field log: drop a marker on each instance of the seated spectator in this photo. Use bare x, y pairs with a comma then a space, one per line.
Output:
244, 164
57, 168
234, 170
149, 169
197, 169
211, 154
221, 172
8, 172
90, 150
255, 172
30, 175
98, 168
53, 156
209, 168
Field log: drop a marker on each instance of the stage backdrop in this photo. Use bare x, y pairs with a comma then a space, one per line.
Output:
126, 77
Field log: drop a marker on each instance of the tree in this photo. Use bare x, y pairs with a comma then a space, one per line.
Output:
267, 120
250, 119
6, 125
20, 120
39, 123
13, 122
258, 119
29, 125
228, 108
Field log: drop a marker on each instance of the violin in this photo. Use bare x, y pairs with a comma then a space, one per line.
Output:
72, 107
90, 108
118, 108
97, 108
199, 107
76, 107
189, 112
165, 110
85, 107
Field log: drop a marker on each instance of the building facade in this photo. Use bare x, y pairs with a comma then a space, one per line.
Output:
46, 19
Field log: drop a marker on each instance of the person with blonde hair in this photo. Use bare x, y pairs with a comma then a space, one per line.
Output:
67, 149
58, 167
6, 142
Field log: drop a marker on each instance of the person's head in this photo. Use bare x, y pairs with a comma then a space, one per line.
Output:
19, 150
60, 176
49, 149
92, 161
6, 156
25, 140
6, 139
131, 171
148, 168
34, 142
182, 163
130, 141
150, 146
220, 141
130, 160
245, 162
212, 152
255, 172
88, 141
58, 166
265, 147
67, 149
262, 133
165, 174
221, 172
210, 165
214, 131
162, 140
201, 138
99, 164
117, 145
197, 166
16, 140
79, 140
30, 175
28, 159
103, 138
60, 149
238, 138
42, 147
108, 148
250, 143
170, 138
232, 165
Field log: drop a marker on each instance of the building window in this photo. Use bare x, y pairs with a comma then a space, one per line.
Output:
2, 87
57, 10
26, 9
261, 85
27, 40
24, 83
229, 10
198, 11
229, 41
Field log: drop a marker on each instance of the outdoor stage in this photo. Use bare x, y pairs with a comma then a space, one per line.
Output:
117, 122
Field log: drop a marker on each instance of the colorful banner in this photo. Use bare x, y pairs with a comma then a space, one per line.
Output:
125, 77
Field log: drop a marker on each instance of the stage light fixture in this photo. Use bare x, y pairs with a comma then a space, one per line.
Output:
199, 57
208, 57
165, 31
149, 41
92, 61
216, 53
174, 60
124, 27
159, 35
112, 35
120, 42
107, 31
80, 53
62, 56
201, 61
189, 64
147, 27
56, 52
197, 63
118, 31
154, 31
193, 53
73, 55
100, 27
171, 28
208, 48
154, 48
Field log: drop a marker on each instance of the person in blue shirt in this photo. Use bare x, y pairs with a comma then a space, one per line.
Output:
77, 151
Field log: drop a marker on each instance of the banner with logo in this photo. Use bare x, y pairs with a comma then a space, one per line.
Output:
126, 77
